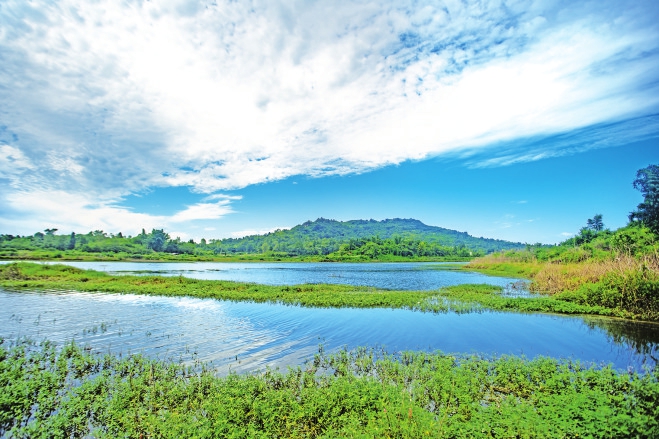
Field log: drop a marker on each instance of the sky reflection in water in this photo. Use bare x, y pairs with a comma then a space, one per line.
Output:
245, 336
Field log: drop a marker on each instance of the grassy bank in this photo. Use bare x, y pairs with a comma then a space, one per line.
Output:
460, 298
76, 255
69, 393
626, 283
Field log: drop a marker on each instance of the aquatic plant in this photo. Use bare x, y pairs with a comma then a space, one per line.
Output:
69, 392
459, 298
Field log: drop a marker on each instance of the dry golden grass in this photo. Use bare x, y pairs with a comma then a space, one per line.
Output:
557, 276
554, 278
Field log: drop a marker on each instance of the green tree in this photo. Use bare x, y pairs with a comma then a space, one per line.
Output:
157, 240
647, 181
72, 242
595, 223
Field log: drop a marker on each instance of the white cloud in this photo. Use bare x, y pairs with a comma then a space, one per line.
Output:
202, 211
13, 161
105, 98
32, 211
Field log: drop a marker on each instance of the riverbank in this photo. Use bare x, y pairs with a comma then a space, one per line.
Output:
75, 255
624, 282
68, 392
459, 298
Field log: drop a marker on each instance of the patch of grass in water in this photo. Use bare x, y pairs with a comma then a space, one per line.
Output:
459, 298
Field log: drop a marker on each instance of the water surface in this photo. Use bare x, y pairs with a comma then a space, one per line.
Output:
395, 275
244, 336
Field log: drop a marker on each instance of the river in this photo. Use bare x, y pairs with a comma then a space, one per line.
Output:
247, 337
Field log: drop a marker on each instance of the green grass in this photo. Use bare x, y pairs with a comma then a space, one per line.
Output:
70, 393
459, 298
78, 255
625, 286
506, 269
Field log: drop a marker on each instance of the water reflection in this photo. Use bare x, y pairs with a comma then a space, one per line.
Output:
245, 336
396, 275
639, 336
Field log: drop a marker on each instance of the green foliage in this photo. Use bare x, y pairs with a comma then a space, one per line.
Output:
460, 298
595, 223
325, 236
72, 242
615, 272
98, 243
375, 248
647, 213
632, 240
321, 240
635, 291
157, 240
51, 393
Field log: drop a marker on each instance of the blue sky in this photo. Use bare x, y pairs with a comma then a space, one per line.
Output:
515, 120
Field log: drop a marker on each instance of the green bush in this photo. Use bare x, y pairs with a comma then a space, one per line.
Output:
69, 393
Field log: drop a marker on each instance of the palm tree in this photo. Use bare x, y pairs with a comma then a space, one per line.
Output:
595, 223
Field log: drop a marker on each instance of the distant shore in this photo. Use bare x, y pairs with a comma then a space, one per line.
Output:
55, 255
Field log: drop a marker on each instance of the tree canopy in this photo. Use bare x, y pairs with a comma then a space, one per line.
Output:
595, 223
647, 212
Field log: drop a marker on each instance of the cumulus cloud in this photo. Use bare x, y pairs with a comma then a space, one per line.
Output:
31, 211
102, 99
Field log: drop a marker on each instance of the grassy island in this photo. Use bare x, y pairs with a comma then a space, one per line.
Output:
459, 298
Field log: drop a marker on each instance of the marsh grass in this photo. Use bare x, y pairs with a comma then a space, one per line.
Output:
70, 393
459, 298
625, 284
554, 278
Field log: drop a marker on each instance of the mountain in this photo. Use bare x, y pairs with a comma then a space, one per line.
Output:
325, 236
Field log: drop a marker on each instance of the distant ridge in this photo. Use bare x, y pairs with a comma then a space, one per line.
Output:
326, 235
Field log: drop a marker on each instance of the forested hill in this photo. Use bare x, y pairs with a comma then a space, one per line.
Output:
325, 236
323, 239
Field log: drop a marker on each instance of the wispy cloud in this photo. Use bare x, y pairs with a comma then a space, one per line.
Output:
529, 149
33, 210
101, 99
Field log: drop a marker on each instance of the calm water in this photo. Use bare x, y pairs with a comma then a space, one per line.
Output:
248, 336
397, 276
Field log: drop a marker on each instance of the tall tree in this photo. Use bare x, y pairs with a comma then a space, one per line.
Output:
72, 242
595, 223
647, 212
157, 240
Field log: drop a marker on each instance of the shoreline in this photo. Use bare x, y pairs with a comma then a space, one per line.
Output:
458, 298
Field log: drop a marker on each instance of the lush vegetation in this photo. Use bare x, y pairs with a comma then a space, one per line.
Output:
71, 393
597, 267
647, 213
320, 240
325, 236
459, 298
